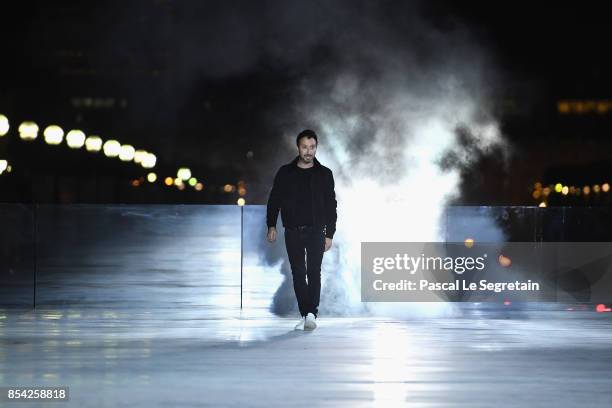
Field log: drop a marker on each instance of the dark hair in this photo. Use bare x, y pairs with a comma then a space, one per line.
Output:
309, 134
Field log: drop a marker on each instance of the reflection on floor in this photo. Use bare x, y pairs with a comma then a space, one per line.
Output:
190, 357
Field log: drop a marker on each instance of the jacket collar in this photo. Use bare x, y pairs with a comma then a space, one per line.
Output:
294, 162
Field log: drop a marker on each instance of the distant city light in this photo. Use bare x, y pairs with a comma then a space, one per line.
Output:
181, 186
546, 191
596, 188
28, 131
4, 125
135, 183
168, 181
586, 190
242, 191
199, 187
605, 187
112, 148
468, 242
93, 144
178, 181
536, 194
558, 187
75, 139
152, 177
228, 188
542, 204
53, 134
3, 165
193, 181
565, 190
148, 162
241, 201
183, 173
127, 153
537, 185
139, 155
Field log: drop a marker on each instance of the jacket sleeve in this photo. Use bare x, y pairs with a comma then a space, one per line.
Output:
330, 206
274, 201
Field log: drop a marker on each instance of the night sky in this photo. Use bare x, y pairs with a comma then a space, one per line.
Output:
202, 83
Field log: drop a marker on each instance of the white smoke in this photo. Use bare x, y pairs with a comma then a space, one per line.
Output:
388, 139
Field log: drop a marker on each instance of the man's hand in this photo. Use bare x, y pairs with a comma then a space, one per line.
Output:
271, 234
328, 243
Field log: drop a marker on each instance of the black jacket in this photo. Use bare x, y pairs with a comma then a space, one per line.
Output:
284, 195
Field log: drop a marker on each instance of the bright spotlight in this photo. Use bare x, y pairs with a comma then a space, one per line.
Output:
93, 144
28, 131
112, 148
75, 139
53, 135
149, 161
127, 153
151, 177
183, 173
4, 125
241, 201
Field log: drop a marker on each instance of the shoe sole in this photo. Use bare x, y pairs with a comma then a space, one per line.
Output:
311, 326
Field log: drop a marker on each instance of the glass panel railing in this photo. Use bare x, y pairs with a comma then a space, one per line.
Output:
17, 255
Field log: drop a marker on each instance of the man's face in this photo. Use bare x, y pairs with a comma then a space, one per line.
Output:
307, 149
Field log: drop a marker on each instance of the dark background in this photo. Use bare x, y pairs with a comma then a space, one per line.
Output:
210, 84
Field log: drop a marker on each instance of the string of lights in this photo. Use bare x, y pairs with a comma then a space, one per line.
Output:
54, 135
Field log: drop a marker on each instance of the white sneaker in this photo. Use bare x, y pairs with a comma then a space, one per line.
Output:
310, 323
300, 325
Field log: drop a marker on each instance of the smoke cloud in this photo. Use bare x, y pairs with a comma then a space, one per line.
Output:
401, 107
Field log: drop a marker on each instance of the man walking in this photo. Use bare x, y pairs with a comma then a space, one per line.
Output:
303, 191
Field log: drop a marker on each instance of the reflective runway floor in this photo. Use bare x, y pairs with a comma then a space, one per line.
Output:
189, 358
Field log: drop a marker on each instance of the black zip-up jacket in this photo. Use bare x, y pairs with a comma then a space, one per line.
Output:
284, 196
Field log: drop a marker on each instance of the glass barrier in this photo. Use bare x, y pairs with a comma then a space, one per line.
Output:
218, 257
17, 255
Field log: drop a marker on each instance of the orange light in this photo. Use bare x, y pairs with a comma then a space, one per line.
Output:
504, 261
563, 107
135, 183
605, 187
168, 181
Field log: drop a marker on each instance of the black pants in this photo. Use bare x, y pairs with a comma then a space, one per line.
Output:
305, 247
